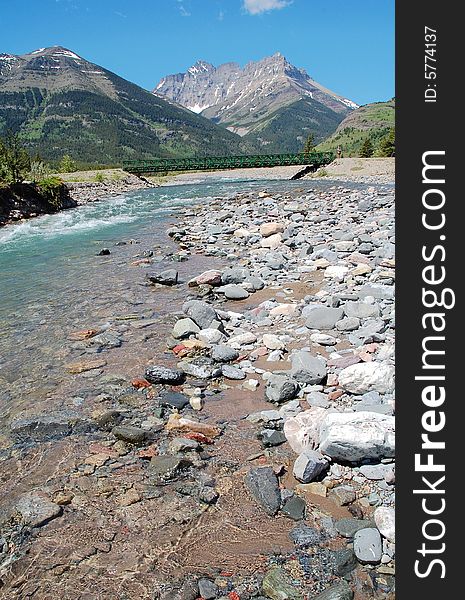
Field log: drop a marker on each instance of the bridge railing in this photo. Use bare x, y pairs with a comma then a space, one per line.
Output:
207, 163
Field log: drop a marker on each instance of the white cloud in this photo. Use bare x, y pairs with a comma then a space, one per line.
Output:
257, 7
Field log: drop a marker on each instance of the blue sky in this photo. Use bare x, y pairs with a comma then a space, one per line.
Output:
346, 45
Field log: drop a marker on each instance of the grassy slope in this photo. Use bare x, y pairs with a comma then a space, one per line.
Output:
372, 120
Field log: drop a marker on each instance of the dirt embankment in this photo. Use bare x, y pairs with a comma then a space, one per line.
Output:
357, 168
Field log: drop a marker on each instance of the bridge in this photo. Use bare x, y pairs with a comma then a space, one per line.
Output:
215, 163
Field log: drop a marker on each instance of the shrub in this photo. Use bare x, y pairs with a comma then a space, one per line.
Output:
50, 189
99, 178
38, 171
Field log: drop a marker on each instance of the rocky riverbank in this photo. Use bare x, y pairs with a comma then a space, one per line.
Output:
83, 192
254, 456
26, 201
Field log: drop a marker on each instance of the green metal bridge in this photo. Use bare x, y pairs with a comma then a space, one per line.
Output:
214, 163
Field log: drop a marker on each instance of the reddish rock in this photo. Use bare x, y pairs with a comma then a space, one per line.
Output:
140, 383
148, 452
344, 361
335, 395
198, 437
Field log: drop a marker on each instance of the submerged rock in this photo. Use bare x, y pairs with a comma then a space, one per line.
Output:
158, 374
277, 586
264, 487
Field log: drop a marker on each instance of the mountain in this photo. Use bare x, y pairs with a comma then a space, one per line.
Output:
270, 102
372, 121
64, 104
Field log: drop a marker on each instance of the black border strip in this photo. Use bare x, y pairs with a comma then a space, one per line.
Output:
435, 127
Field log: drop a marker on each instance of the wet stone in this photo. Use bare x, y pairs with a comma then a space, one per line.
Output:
272, 437
168, 277
167, 467
339, 591
174, 400
208, 589
158, 374
294, 508
304, 536
277, 586
127, 433
263, 484
348, 527
345, 561
223, 353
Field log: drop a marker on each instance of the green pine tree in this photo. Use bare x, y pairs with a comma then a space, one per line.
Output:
387, 146
367, 148
309, 144
67, 164
15, 161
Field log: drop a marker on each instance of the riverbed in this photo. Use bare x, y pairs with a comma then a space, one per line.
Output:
117, 534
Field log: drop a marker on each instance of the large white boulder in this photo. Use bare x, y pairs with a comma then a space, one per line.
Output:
367, 377
302, 431
385, 520
352, 437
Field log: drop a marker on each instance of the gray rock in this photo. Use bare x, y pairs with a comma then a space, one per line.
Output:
167, 467
107, 339
348, 324
307, 368
343, 495
168, 277
235, 275
231, 372
199, 371
184, 328
264, 487
223, 353
234, 292
183, 445
321, 317
318, 399
200, 312
309, 465
304, 536
375, 472
272, 437
368, 546
348, 527
36, 509
280, 389
377, 290
294, 508
127, 433
254, 283
41, 428
361, 310
174, 400
208, 589
158, 374
338, 591
345, 561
